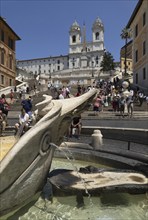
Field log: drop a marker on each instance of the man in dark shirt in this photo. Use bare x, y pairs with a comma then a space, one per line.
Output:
27, 105
76, 124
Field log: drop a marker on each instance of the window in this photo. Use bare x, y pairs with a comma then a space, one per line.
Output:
10, 82
3, 57
136, 78
2, 79
144, 48
58, 67
136, 56
73, 39
58, 61
136, 30
10, 43
97, 36
144, 73
144, 18
10, 62
2, 36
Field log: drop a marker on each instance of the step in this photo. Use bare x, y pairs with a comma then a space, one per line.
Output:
107, 114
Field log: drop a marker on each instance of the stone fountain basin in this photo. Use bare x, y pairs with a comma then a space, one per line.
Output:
93, 180
126, 172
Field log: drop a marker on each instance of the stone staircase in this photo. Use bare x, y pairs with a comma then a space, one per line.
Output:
38, 97
107, 113
114, 115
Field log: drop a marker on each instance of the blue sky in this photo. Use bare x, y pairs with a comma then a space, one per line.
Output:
43, 25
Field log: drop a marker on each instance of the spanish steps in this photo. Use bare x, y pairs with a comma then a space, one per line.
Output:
107, 113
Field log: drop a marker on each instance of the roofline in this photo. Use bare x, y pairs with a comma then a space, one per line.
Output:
134, 13
18, 38
43, 58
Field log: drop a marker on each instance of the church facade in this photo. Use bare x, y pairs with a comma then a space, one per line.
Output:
81, 63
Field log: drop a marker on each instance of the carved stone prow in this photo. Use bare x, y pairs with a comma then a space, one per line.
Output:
25, 167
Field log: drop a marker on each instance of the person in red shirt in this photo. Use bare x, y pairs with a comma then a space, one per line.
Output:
6, 106
97, 104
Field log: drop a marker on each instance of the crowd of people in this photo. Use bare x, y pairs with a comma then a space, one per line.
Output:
110, 94
25, 116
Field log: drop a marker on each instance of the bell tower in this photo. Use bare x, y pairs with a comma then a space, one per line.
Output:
74, 37
98, 31
75, 33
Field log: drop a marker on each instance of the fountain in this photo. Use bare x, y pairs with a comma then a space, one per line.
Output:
108, 205
26, 165
54, 118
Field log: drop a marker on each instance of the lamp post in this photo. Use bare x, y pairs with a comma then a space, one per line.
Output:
50, 72
125, 57
92, 69
126, 34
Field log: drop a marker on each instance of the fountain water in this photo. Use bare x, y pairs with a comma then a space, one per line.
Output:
108, 206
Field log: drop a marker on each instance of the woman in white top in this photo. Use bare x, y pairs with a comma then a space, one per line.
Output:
23, 124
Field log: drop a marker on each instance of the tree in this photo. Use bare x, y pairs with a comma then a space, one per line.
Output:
126, 34
107, 63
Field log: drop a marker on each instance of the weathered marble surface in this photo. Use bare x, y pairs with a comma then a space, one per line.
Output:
95, 181
23, 171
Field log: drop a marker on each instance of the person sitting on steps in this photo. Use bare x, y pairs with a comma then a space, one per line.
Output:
76, 124
22, 126
2, 122
4, 106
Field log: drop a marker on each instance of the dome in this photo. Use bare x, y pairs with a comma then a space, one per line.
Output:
97, 23
75, 27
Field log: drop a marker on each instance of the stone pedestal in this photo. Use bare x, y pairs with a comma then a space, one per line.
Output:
97, 139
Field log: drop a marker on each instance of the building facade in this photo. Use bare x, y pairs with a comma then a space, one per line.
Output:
80, 64
8, 40
138, 22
